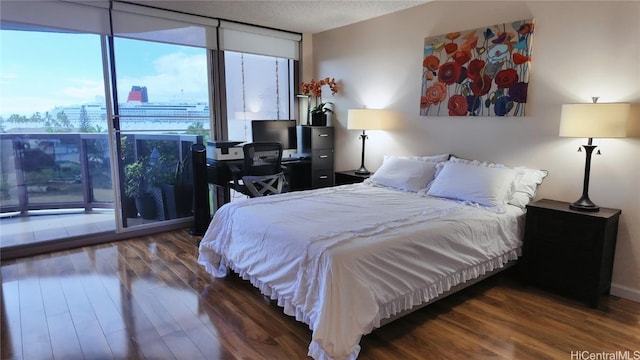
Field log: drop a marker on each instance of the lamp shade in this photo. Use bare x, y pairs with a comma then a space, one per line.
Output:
369, 119
594, 120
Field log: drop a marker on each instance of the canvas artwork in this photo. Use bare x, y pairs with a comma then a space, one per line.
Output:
481, 72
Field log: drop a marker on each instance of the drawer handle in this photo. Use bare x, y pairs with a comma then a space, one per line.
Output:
323, 156
323, 135
324, 177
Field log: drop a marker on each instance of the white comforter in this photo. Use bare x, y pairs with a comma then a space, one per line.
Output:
341, 259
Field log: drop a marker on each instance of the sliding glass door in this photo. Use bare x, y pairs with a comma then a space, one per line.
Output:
55, 154
162, 109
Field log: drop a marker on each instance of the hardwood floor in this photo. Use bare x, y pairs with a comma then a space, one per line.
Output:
147, 298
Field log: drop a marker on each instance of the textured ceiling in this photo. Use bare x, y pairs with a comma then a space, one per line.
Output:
303, 16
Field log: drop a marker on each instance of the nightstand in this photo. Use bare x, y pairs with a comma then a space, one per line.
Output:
569, 252
350, 177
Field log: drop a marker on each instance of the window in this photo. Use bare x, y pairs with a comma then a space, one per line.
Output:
53, 100
52, 115
162, 87
258, 88
163, 106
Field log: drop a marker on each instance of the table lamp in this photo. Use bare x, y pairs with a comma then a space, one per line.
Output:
589, 121
368, 119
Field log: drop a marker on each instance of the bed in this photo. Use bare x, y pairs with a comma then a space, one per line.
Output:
347, 259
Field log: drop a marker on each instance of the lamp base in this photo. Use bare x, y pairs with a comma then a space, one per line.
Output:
584, 205
362, 171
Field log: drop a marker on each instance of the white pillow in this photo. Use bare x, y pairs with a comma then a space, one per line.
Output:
474, 162
432, 158
435, 158
483, 185
525, 185
403, 173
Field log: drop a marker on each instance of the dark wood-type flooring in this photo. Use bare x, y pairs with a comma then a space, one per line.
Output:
147, 298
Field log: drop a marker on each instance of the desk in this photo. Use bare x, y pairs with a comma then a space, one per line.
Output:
297, 172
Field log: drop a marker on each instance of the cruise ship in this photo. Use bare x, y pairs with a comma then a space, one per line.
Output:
137, 113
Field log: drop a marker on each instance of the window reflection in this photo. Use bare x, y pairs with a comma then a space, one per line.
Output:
258, 88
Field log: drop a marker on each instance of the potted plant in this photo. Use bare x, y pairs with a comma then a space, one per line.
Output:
138, 177
129, 208
319, 114
178, 188
313, 89
184, 185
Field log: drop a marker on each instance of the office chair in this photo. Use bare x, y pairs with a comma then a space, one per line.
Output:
262, 172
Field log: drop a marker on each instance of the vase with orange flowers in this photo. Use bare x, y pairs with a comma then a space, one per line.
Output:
312, 90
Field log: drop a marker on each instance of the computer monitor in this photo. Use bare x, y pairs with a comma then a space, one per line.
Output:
282, 131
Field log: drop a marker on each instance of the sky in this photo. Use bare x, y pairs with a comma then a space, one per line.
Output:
39, 71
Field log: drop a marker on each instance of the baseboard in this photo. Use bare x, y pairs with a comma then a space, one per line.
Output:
625, 292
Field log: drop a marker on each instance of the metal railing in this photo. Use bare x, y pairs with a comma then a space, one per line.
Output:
41, 171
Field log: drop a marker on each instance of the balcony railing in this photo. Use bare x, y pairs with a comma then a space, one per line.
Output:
58, 171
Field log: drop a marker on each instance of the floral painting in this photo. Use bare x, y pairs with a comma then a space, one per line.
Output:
481, 72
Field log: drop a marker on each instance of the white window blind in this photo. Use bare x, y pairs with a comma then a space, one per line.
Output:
257, 40
92, 17
144, 23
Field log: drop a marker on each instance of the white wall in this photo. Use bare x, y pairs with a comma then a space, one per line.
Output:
580, 49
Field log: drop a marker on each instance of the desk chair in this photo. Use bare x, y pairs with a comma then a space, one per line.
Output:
262, 172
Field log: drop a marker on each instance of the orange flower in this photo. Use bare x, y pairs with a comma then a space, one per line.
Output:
424, 102
452, 36
314, 87
457, 105
431, 62
450, 48
519, 59
466, 48
476, 67
461, 57
449, 72
469, 35
472, 42
436, 93
506, 78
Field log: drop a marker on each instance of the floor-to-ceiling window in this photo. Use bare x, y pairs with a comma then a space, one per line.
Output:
163, 89
163, 108
100, 102
55, 155
258, 87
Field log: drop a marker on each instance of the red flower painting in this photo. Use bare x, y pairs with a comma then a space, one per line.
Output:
481, 72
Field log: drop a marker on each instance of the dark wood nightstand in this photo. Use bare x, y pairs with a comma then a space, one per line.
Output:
569, 252
350, 177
